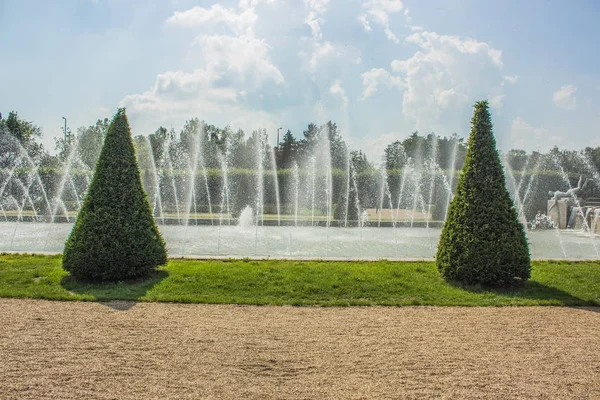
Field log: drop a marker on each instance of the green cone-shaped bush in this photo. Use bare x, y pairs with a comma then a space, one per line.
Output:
115, 236
482, 241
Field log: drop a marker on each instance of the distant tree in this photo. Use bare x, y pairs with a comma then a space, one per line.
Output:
25, 132
237, 149
517, 159
64, 144
337, 145
593, 155
307, 145
482, 241
446, 148
413, 145
359, 161
115, 237
286, 150
158, 140
89, 141
394, 156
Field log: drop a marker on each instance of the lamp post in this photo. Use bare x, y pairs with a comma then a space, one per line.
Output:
278, 129
65, 131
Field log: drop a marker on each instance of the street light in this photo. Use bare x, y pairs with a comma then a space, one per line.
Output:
65, 131
278, 136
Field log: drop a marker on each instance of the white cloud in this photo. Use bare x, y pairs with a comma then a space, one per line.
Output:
243, 58
337, 89
376, 76
379, 12
326, 60
315, 8
236, 68
511, 79
440, 44
365, 23
526, 137
565, 97
244, 4
320, 52
239, 21
496, 102
445, 75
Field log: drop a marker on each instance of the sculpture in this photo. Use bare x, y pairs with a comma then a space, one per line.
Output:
569, 193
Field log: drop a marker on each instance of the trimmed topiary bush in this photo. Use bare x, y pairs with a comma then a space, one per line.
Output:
482, 241
115, 236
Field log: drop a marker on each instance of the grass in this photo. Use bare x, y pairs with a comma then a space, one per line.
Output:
302, 283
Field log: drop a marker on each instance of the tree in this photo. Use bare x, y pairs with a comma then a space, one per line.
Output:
412, 145
360, 162
517, 159
593, 155
337, 146
286, 150
446, 148
394, 156
24, 131
307, 145
89, 141
158, 141
115, 237
482, 241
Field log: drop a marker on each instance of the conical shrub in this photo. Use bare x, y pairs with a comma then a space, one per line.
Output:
482, 241
115, 237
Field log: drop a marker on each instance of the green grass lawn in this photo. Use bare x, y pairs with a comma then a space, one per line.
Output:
323, 283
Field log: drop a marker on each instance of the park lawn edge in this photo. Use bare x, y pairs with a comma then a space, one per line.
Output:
302, 283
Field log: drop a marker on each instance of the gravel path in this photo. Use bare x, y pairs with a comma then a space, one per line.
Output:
120, 350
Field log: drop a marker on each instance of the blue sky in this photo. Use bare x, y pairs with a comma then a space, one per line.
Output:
379, 68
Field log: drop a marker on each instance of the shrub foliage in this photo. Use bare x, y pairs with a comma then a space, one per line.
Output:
115, 236
482, 241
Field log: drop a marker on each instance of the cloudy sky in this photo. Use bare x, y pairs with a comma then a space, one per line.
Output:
379, 68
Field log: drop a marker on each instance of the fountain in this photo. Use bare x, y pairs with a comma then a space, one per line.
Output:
314, 208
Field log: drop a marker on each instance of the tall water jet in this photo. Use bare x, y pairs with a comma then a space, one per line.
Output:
513, 189
417, 181
225, 195
452, 172
347, 197
531, 180
72, 154
192, 171
296, 177
403, 181
566, 180
168, 169
260, 157
383, 175
276, 185
431, 164
313, 167
156, 202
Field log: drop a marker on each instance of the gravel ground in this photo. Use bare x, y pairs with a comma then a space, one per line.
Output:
121, 350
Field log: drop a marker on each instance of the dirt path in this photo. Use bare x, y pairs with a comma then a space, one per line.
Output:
54, 350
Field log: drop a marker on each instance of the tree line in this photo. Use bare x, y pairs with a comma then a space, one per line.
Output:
241, 150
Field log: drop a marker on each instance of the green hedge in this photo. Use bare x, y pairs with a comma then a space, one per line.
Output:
482, 241
115, 237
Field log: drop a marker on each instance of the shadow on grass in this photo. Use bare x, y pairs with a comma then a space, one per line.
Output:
530, 290
119, 295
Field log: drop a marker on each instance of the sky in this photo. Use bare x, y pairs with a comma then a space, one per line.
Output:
380, 69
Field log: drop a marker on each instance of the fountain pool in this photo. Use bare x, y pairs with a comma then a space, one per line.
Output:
297, 242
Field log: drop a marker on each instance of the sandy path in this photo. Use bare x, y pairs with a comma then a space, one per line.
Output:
171, 351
